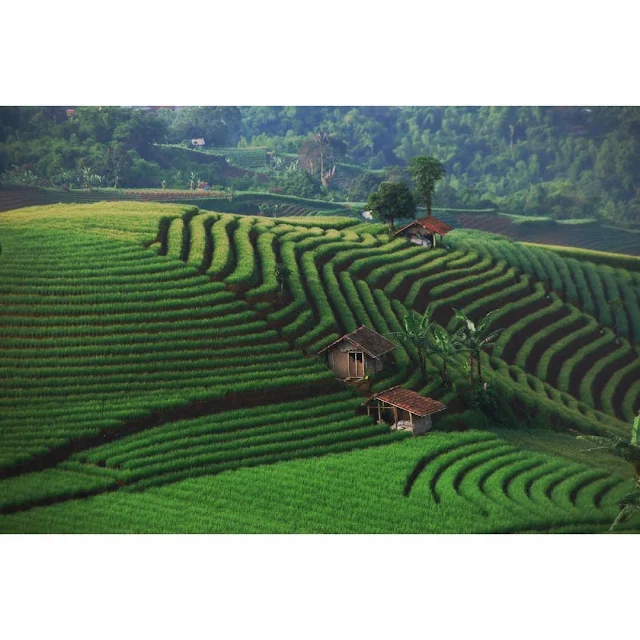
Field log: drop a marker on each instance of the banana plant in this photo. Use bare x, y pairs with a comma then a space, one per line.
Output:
417, 332
474, 339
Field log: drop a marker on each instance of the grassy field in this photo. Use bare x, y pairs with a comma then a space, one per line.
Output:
445, 483
154, 380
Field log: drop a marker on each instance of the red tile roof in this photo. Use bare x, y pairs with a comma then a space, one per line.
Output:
430, 224
409, 400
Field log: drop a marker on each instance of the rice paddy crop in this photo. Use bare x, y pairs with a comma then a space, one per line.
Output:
146, 353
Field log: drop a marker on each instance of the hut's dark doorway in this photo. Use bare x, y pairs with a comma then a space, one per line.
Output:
356, 364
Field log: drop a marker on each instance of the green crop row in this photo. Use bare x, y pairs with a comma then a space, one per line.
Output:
432, 281
595, 397
92, 385
200, 247
217, 443
175, 239
245, 273
99, 312
96, 296
425, 261
343, 313
339, 433
631, 263
164, 437
196, 386
352, 299
195, 333
549, 404
136, 322
540, 335
494, 302
173, 364
267, 260
222, 257
326, 321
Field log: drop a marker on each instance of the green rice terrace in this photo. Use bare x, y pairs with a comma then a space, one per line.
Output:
159, 376
587, 234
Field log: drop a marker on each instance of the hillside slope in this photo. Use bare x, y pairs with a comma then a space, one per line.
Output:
144, 345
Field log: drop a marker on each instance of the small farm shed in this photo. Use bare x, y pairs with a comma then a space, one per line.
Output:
358, 354
198, 142
410, 410
423, 232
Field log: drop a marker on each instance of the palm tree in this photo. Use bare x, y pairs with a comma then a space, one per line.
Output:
417, 333
474, 339
629, 451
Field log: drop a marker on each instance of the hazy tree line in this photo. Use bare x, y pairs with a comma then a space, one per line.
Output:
568, 162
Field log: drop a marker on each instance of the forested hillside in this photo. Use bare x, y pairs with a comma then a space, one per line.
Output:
563, 162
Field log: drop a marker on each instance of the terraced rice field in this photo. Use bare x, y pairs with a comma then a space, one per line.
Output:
146, 354
445, 483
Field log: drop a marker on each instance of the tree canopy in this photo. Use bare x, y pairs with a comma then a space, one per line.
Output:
392, 200
426, 173
562, 162
219, 126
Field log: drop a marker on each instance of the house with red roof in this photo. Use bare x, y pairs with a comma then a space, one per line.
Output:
409, 410
424, 232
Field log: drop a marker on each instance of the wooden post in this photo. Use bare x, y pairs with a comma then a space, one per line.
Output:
395, 417
411, 418
379, 412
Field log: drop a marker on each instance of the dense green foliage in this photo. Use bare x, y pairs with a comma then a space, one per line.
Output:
568, 162
426, 173
392, 201
562, 162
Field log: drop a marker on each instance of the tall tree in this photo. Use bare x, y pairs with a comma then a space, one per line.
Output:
474, 339
426, 173
320, 153
390, 202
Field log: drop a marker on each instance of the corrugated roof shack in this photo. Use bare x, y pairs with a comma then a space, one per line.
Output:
424, 232
358, 354
410, 410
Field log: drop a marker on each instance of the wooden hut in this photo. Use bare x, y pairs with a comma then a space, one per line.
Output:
424, 232
358, 354
410, 410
